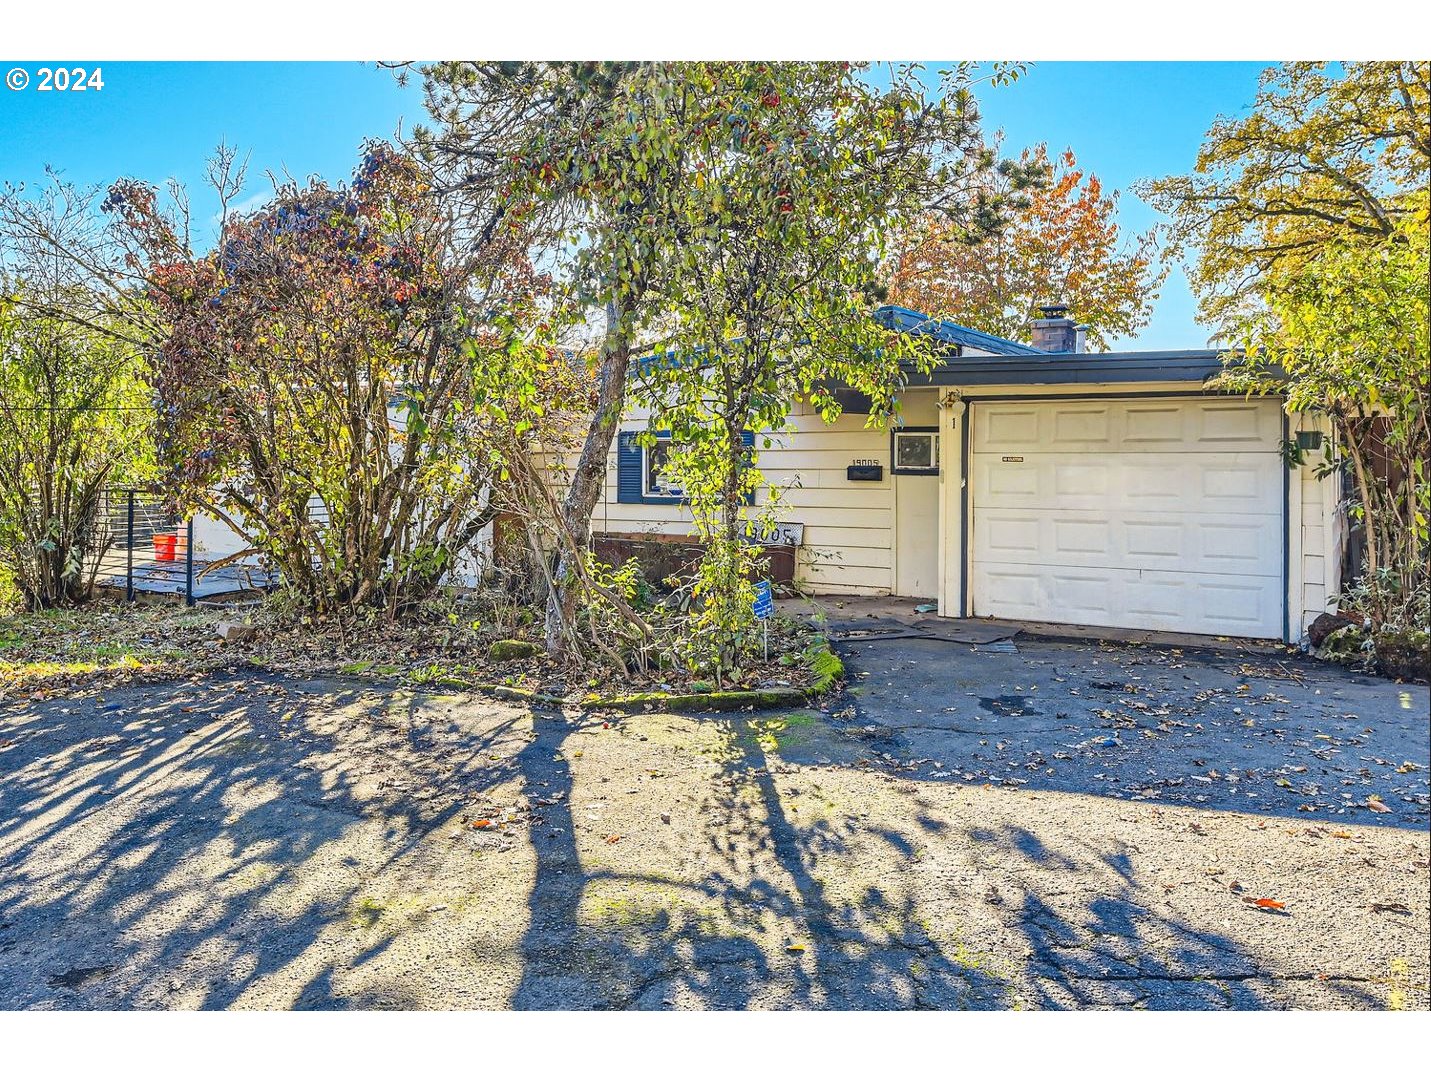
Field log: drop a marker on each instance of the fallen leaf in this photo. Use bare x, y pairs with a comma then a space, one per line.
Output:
1264, 903
1375, 804
1390, 907
613, 840
481, 823
795, 948
1341, 834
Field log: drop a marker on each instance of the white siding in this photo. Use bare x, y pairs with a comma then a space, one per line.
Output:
1321, 551
848, 525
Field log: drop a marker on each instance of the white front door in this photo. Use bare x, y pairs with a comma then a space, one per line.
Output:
1160, 514
916, 529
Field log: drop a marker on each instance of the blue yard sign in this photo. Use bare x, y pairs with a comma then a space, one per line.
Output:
764, 605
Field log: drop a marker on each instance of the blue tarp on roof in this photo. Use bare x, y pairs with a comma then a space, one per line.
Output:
946, 331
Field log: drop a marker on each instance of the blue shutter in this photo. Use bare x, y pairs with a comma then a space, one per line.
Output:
628, 468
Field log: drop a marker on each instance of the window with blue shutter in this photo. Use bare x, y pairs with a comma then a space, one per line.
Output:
631, 470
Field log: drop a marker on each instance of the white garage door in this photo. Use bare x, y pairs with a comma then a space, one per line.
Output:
1161, 514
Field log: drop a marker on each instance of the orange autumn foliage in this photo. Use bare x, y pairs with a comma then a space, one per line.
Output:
1065, 246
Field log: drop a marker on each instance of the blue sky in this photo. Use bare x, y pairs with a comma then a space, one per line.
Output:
1124, 120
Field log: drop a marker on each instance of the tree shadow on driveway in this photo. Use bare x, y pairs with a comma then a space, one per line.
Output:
841, 887
755, 924
1277, 735
200, 845
249, 841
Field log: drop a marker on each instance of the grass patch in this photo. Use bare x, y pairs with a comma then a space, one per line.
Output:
826, 668
43, 648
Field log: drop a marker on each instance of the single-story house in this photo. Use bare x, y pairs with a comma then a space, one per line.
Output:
1041, 482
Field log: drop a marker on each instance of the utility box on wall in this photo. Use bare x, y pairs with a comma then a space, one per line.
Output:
865, 471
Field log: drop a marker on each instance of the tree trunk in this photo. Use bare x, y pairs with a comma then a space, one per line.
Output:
590, 475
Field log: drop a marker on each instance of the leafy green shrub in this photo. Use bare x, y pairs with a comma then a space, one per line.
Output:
1397, 639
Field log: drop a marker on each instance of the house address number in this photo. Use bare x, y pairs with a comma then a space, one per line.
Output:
1013, 458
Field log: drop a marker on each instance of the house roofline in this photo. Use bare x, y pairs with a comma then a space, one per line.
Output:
902, 319
1190, 366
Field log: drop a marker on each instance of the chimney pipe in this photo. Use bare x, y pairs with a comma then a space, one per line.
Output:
1055, 332
1080, 338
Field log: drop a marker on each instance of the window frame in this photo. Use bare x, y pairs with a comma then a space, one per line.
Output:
930, 431
647, 492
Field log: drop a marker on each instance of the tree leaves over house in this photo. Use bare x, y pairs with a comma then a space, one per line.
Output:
703, 208
1061, 242
1308, 221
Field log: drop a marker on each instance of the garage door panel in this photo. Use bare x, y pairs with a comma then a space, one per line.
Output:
1237, 425
1083, 595
1134, 599
1012, 537
1233, 483
1150, 488
1238, 605
1081, 536
1011, 483
1250, 545
1150, 513
1157, 599
1156, 541
1073, 480
1154, 425
1083, 426
1237, 483
1008, 425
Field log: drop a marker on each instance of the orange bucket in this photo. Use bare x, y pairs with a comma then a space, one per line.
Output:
164, 544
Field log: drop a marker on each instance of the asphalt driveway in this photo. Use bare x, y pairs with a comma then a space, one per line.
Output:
252, 841
1249, 728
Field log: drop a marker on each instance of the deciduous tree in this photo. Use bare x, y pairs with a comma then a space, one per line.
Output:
588, 156
801, 171
74, 408
316, 377
1309, 220
1062, 242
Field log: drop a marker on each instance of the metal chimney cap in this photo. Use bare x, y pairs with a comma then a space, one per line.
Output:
1056, 309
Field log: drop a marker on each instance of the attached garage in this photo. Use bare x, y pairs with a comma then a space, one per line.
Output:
1150, 513
1046, 484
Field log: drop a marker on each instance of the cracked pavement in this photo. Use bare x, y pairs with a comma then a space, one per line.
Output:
249, 841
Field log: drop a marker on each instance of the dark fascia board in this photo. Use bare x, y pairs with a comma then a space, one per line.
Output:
1190, 366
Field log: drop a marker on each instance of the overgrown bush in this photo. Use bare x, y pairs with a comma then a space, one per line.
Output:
318, 374
1396, 638
74, 409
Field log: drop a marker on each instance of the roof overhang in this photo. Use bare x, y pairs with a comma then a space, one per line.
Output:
1187, 366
